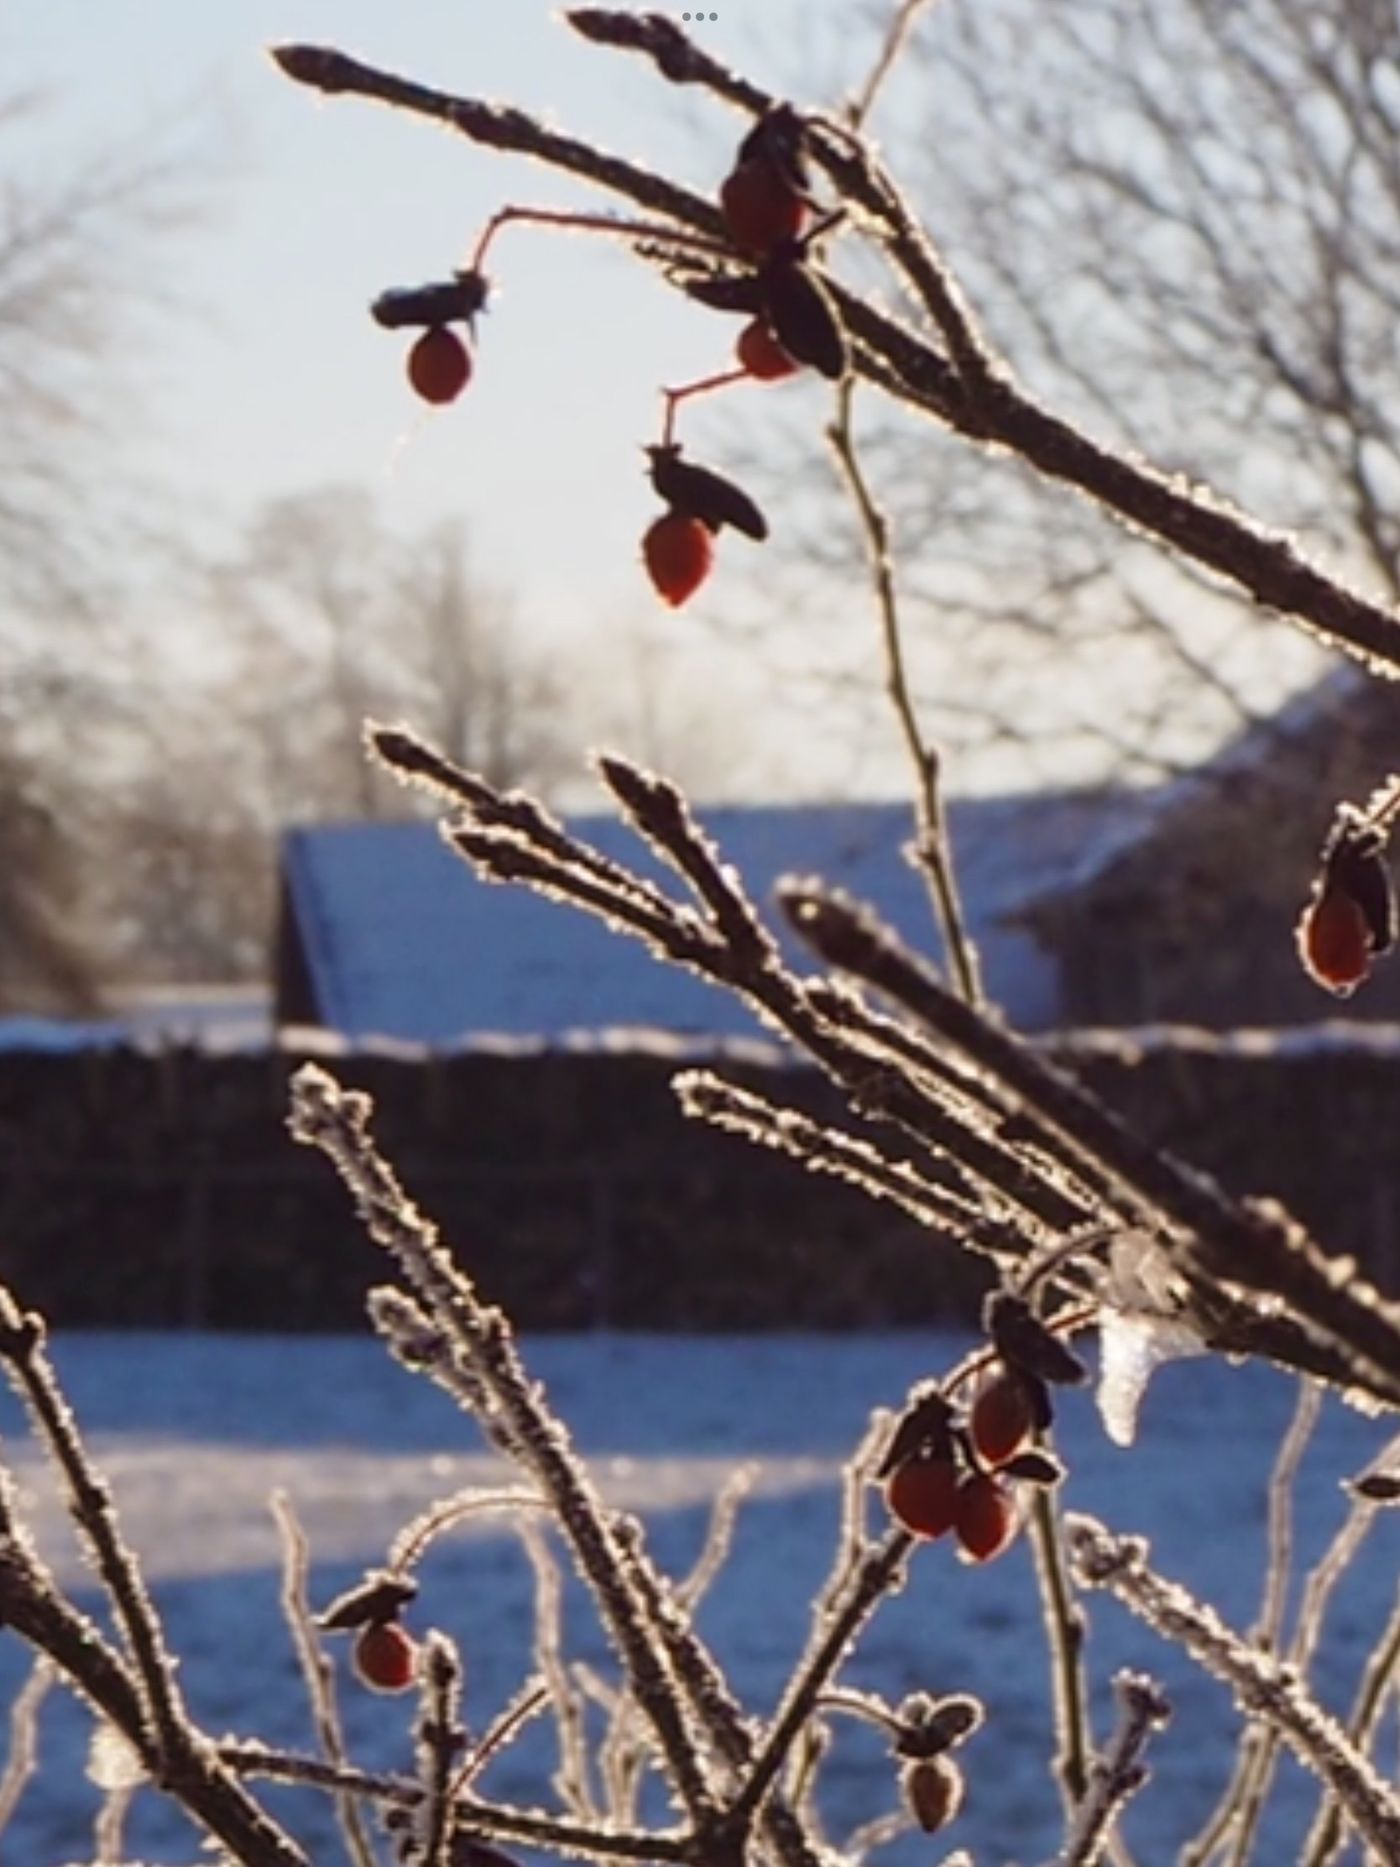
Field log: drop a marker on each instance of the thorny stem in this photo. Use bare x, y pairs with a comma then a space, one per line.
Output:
532, 1700
441, 1739
194, 1776
22, 1347
1259, 1749
893, 44
1262, 1684
933, 848
337, 1122
1322, 1318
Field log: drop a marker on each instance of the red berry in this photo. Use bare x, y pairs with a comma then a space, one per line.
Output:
679, 552
986, 1517
922, 1494
1002, 1417
1334, 940
760, 353
439, 365
762, 208
386, 1656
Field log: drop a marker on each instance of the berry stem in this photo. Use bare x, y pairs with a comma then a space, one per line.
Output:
704, 386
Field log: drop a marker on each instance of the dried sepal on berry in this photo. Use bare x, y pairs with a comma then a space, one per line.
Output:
1033, 1468
929, 1726
1350, 917
1379, 1483
925, 1425
727, 291
380, 1596
1023, 1341
804, 317
443, 301
700, 493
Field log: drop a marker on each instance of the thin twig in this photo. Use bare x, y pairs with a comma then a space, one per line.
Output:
1119, 1774
316, 1670
1325, 1837
499, 1820
933, 849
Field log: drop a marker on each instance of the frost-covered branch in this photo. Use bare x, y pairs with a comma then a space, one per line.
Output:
1263, 1685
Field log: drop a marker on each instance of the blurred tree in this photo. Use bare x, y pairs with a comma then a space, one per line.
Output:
1182, 221
321, 617
79, 235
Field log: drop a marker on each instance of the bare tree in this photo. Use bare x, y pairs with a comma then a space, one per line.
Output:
1183, 220
78, 240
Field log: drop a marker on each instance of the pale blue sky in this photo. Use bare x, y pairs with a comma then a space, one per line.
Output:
280, 381
276, 380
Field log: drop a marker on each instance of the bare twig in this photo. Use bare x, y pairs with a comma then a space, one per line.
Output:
933, 850
1119, 1773
316, 1670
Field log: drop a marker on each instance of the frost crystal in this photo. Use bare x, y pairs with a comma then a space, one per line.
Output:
112, 1762
1133, 1347
1140, 1328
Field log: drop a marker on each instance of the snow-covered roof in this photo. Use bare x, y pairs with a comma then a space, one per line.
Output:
1322, 706
402, 941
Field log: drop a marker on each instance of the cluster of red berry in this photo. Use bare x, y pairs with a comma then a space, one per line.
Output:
767, 208
950, 1469
385, 1654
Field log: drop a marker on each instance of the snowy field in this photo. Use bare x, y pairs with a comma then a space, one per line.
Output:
195, 1432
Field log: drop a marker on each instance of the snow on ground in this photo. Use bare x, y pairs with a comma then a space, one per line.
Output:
195, 1431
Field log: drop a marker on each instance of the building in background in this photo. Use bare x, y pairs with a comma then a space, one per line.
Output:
1186, 914
384, 932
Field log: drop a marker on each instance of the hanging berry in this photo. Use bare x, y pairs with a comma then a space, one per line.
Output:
760, 353
1004, 1416
922, 1494
1351, 916
386, 1656
984, 1516
762, 209
679, 552
439, 365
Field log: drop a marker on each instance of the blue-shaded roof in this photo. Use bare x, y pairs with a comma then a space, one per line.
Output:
402, 940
